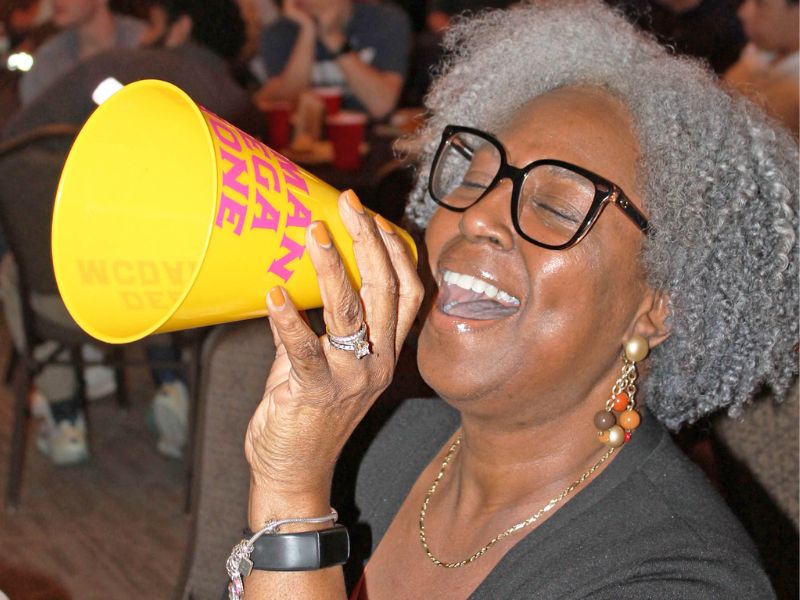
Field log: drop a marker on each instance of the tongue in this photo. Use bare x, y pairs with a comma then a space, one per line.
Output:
458, 302
480, 310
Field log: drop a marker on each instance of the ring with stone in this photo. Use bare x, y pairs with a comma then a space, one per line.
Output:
356, 343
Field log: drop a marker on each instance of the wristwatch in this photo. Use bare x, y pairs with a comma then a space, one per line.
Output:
305, 551
345, 48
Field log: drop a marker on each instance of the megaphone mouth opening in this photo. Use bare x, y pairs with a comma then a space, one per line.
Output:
134, 212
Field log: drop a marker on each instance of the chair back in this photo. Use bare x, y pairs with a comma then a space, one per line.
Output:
234, 367
30, 167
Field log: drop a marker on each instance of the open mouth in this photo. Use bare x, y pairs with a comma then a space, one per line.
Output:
469, 297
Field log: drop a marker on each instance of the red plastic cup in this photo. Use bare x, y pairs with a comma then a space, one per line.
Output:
332, 97
279, 129
346, 132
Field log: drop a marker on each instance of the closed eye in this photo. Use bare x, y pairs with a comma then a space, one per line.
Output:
473, 185
569, 216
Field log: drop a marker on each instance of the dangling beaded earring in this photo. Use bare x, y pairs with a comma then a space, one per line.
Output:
615, 430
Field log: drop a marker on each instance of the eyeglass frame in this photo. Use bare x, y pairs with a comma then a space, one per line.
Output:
605, 191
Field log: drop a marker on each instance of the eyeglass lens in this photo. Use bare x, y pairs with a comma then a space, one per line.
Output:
553, 203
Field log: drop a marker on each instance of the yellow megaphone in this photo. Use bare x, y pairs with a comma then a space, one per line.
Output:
167, 217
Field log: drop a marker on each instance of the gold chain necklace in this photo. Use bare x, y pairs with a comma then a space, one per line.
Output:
521, 525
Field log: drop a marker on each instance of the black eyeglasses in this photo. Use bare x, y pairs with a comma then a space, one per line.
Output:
553, 203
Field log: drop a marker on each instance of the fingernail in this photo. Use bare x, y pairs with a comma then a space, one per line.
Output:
354, 202
276, 297
320, 234
384, 224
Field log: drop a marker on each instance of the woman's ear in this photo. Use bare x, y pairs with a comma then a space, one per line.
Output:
651, 319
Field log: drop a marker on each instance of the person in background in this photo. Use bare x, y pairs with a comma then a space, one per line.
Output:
191, 45
88, 27
767, 70
362, 47
184, 45
705, 29
257, 15
427, 52
25, 24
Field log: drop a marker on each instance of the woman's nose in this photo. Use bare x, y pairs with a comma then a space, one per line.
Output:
489, 219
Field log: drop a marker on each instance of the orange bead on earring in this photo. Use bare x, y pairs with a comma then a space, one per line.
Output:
629, 420
613, 430
621, 402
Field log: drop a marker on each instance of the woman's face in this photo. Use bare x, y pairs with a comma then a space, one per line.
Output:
575, 306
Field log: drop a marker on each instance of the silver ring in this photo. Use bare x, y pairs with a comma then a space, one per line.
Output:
357, 342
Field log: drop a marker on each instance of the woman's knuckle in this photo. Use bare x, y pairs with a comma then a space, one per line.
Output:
350, 311
382, 377
306, 349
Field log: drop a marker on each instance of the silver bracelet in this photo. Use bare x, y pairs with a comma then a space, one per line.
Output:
239, 564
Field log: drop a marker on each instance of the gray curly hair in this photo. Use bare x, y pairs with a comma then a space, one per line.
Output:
719, 184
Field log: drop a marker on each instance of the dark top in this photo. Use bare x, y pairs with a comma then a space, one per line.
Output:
455, 7
379, 33
649, 526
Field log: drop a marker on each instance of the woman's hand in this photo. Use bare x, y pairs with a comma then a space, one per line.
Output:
316, 394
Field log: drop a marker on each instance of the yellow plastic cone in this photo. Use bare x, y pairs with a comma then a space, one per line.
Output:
167, 217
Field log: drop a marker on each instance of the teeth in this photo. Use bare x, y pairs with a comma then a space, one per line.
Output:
465, 281
501, 295
479, 286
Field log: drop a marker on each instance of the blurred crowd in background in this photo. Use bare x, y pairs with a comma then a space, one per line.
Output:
751, 43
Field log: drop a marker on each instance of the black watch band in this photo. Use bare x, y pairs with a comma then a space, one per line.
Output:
345, 48
305, 551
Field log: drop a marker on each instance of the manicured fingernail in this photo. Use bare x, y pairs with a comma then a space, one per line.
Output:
320, 234
384, 224
354, 202
276, 297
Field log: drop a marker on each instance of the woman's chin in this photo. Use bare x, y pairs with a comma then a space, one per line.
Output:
454, 352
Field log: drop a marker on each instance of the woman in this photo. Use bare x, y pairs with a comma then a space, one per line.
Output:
560, 322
